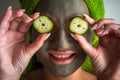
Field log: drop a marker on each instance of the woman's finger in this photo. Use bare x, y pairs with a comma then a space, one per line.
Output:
103, 32
14, 24
87, 47
35, 15
32, 48
100, 31
89, 19
114, 26
108, 27
18, 13
16, 19
4, 24
24, 27
102, 23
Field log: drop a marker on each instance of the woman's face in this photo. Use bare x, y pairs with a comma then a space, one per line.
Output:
61, 54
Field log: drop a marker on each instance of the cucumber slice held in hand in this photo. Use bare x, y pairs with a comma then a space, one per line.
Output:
43, 24
78, 25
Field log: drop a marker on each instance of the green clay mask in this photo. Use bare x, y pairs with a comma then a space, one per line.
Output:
61, 54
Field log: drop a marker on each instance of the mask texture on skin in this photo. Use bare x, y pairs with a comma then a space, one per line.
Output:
96, 8
60, 43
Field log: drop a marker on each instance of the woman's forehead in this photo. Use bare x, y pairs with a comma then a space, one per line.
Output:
62, 8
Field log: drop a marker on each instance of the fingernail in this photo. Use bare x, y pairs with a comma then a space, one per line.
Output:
47, 35
37, 13
73, 36
10, 7
85, 15
23, 10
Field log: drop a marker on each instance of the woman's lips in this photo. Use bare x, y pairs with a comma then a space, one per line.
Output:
62, 57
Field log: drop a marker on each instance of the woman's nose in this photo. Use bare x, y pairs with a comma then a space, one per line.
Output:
61, 40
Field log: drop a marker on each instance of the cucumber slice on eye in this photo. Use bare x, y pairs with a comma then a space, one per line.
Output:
78, 25
43, 24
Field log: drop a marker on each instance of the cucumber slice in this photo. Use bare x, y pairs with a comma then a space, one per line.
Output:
43, 24
78, 25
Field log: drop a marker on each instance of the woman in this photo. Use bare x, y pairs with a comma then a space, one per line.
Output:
15, 53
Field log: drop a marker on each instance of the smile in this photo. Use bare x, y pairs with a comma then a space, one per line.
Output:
62, 57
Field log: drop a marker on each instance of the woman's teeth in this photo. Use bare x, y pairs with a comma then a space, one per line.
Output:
61, 56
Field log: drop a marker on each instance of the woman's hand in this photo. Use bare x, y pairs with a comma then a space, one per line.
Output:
14, 53
105, 57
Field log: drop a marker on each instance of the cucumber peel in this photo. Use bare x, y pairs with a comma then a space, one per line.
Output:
78, 25
43, 24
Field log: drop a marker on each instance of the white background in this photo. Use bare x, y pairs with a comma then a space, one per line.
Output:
112, 8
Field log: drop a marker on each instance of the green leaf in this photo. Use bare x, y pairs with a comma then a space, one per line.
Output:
29, 5
87, 66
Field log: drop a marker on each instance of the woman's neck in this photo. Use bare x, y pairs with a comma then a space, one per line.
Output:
44, 74
74, 76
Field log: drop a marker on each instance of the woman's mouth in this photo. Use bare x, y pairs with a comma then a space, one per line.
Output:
58, 57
